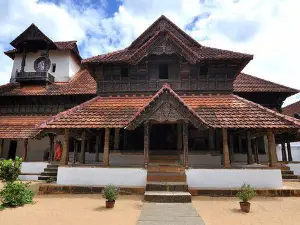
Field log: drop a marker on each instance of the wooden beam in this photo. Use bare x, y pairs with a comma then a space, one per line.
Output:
65, 153
226, 160
82, 152
249, 148
117, 139
25, 149
1, 147
185, 134
51, 147
289, 151
272, 149
211, 139
106, 147
179, 136
283, 152
146, 143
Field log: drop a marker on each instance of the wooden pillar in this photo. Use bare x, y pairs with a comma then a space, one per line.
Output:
117, 139
106, 147
179, 136
289, 151
82, 153
51, 148
283, 152
211, 139
65, 153
1, 147
226, 160
231, 150
185, 134
255, 148
249, 149
97, 147
75, 150
25, 149
146, 143
272, 149
124, 139
240, 144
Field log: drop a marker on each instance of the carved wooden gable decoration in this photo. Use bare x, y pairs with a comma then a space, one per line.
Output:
32, 33
166, 107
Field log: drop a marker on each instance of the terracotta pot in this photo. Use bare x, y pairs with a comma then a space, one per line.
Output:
245, 206
110, 204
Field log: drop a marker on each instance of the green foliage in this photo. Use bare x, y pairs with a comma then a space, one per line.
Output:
9, 169
246, 193
16, 194
111, 193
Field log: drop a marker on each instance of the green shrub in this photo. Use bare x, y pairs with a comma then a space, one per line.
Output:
111, 193
10, 170
16, 194
246, 193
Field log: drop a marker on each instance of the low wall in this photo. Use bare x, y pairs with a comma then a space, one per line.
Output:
116, 159
233, 178
295, 167
122, 177
31, 170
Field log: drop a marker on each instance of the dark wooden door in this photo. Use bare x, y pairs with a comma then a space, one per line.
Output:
12, 150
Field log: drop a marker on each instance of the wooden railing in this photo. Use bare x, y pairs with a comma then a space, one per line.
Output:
34, 76
154, 85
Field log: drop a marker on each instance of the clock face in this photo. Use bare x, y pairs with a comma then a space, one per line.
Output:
42, 64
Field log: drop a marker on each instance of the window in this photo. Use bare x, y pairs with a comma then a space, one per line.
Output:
124, 71
203, 69
163, 72
53, 67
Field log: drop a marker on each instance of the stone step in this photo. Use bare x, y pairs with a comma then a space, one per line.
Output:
52, 166
291, 180
166, 186
162, 168
47, 177
165, 177
289, 176
50, 170
49, 173
285, 168
168, 196
287, 172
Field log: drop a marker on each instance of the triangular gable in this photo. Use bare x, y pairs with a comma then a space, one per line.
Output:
166, 106
163, 23
32, 33
163, 42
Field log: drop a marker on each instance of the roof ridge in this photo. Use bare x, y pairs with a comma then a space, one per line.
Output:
68, 111
294, 121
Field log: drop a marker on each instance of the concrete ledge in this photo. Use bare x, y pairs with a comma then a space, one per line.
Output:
260, 192
74, 189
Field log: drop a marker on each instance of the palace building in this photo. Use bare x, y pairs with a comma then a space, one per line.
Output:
166, 108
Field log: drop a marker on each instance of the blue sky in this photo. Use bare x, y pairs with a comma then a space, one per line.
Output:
269, 29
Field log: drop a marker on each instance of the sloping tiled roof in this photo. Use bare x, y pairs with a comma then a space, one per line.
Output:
218, 111
20, 127
292, 109
247, 83
164, 29
81, 83
61, 45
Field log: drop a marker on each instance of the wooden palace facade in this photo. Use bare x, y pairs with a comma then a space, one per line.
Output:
164, 100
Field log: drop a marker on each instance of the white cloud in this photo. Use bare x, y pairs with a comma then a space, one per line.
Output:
268, 29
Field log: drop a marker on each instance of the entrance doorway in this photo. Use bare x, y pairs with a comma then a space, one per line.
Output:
163, 138
12, 149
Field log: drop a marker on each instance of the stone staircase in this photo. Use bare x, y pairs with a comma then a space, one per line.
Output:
288, 174
166, 182
50, 173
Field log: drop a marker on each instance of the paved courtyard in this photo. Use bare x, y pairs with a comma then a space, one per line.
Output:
169, 214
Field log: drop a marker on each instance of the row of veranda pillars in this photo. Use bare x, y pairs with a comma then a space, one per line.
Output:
286, 152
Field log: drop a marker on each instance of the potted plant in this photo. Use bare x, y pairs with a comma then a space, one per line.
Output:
245, 194
110, 193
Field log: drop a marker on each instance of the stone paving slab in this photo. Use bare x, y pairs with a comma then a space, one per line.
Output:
169, 213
